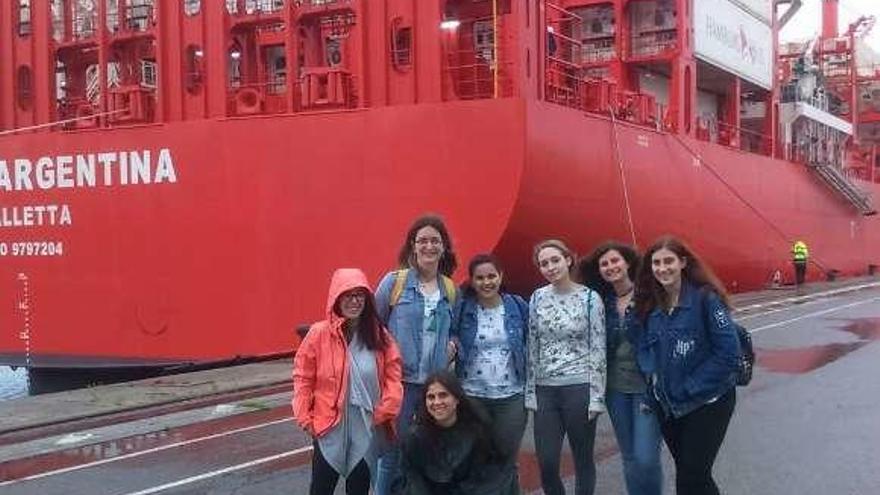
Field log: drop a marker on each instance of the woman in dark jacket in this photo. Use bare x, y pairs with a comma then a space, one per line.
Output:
490, 329
689, 350
611, 271
450, 450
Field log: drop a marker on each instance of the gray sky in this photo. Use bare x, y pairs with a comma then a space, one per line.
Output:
807, 22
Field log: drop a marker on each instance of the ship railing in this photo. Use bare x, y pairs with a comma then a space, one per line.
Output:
476, 81
85, 24
734, 136
563, 84
251, 7
652, 45
317, 3
137, 17
601, 96
471, 75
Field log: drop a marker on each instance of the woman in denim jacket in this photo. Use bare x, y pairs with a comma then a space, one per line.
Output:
491, 333
419, 315
611, 271
689, 350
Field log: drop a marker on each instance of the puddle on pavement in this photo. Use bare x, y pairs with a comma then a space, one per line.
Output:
806, 359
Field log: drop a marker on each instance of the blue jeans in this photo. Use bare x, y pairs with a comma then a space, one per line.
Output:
638, 436
389, 474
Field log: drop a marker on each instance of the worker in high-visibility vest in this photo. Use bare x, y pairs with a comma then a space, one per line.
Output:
799, 256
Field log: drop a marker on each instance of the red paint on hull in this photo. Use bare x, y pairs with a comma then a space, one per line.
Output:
228, 260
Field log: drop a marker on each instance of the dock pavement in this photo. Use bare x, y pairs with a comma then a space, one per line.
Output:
35, 427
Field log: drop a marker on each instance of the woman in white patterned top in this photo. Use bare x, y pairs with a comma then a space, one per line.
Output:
490, 328
565, 382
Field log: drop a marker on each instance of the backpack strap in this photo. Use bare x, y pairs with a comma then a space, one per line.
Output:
400, 282
449, 287
397, 289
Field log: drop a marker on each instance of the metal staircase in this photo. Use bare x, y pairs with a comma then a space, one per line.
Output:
835, 179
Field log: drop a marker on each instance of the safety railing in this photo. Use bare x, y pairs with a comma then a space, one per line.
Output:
714, 131
85, 23
318, 3
648, 45
251, 7
136, 17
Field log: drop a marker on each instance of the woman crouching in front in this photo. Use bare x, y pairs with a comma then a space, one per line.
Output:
347, 386
451, 451
689, 351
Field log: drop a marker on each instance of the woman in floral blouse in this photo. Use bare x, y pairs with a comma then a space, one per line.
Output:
565, 383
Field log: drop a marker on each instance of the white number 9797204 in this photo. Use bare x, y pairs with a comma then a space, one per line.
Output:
35, 248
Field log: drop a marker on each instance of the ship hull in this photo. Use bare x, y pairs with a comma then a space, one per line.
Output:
229, 257
739, 210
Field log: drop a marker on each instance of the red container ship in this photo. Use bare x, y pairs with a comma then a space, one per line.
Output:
178, 178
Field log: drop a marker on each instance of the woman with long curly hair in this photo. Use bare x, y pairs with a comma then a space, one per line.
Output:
611, 271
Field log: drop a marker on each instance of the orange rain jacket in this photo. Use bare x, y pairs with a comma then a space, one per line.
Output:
321, 367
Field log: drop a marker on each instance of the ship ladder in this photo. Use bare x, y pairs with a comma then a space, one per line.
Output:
832, 176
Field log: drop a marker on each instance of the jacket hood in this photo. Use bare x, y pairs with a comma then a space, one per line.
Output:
343, 280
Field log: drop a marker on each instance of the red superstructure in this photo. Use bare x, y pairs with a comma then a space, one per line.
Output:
179, 178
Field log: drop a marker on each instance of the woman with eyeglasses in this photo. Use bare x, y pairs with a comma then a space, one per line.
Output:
346, 386
416, 302
565, 384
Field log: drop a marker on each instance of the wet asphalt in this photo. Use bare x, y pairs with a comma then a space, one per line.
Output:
807, 424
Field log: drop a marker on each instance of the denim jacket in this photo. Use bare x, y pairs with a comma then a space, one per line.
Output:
691, 354
405, 321
516, 322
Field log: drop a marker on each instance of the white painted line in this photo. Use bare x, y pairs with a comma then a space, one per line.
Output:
143, 452
777, 310
810, 315
219, 472
807, 297
74, 438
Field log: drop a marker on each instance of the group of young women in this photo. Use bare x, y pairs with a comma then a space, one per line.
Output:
654, 346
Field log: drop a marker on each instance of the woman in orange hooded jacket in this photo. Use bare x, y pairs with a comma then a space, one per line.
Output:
347, 386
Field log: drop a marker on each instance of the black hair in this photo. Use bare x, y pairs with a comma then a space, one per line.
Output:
467, 288
369, 327
588, 267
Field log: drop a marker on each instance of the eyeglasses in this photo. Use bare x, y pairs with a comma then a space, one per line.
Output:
359, 295
424, 241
